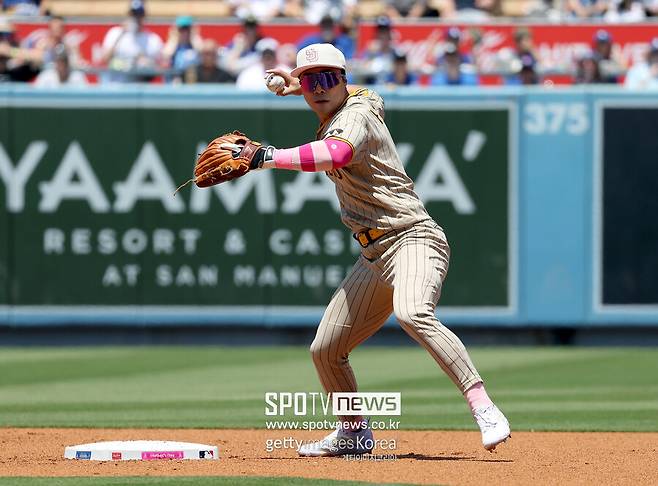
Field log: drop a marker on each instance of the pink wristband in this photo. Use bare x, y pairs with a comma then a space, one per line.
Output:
321, 155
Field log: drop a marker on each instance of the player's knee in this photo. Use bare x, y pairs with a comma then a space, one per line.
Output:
326, 353
413, 315
318, 350
315, 348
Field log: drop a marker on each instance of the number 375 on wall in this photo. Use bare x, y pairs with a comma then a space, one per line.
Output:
555, 118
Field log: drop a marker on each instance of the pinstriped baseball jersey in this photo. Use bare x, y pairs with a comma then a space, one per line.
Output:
402, 272
373, 189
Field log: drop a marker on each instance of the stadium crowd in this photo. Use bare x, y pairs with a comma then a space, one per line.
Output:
131, 52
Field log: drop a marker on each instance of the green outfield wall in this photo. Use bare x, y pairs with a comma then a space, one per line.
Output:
91, 229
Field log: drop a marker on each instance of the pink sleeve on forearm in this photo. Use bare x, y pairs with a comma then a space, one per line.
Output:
321, 155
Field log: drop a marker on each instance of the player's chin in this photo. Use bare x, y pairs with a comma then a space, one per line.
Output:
323, 106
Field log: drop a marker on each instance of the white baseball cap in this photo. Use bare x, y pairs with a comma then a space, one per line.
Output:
318, 55
266, 44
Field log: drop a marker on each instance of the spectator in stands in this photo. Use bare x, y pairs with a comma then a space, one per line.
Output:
7, 45
60, 72
602, 44
330, 34
312, 11
528, 70
5, 75
532, 8
651, 8
287, 55
587, 69
208, 70
396, 9
609, 66
16, 64
524, 45
377, 64
294, 9
400, 75
509, 62
253, 77
25, 7
525, 69
47, 42
130, 51
261, 10
625, 11
454, 36
584, 9
182, 47
474, 10
644, 75
241, 51
453, 71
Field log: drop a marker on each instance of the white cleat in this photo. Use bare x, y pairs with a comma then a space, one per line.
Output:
493, 425
339, 443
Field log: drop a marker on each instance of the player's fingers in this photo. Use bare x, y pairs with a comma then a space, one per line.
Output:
285, 91
285, 75
279, 71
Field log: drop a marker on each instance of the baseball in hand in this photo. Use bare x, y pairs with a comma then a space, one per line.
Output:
274, 82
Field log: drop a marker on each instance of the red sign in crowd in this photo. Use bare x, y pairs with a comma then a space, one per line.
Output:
556, 46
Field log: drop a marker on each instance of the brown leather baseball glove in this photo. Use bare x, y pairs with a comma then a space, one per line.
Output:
225, 158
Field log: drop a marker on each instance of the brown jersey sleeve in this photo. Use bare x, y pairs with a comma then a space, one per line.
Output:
351, 126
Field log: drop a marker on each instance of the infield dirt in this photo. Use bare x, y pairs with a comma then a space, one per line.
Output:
423, 457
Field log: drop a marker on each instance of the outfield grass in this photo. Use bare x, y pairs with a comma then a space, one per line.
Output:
215, 387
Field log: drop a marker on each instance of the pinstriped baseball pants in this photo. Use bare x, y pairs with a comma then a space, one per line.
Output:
402, 272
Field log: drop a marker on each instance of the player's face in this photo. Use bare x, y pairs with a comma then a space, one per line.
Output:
324, 90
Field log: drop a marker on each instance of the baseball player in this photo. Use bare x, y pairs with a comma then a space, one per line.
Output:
404, 253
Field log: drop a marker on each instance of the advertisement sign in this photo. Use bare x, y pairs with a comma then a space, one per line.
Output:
93, 220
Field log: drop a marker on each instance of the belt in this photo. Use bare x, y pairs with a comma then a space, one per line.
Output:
369, 236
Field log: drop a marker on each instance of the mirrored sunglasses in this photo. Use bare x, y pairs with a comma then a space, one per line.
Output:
326, 80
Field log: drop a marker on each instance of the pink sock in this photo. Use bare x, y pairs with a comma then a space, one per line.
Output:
477, 397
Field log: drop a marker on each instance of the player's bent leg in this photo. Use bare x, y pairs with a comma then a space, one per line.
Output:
420, 267
358, 308
449, 352
331, 361
419, 272
443, 345
333, 343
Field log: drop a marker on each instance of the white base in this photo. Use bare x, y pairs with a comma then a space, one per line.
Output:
140, 450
